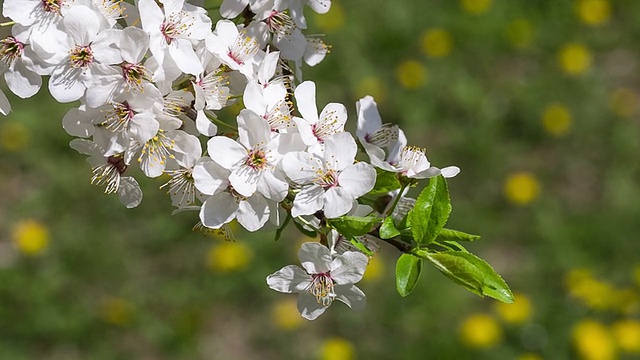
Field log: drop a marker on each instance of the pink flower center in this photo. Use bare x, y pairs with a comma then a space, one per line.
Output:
10, 50
81, 56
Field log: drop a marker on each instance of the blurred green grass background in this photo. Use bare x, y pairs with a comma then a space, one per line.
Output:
536, 101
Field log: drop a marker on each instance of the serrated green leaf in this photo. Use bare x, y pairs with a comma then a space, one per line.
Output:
430, 212
385, 181
354, 225
473, 273
388, 229
455, 235
408, 269
360, 246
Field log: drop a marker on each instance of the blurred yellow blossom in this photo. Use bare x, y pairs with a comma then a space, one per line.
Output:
574, 59
31, 237
372, 85
556, 119
593, 293
411, 74
331, 21
436, 42
480, 331
521, 188
520, 33
517, 312
593, 341
627, 335
375, 269
13, 136
529, 356
593, 12
337, 349
117, 311
228, 256
285, 314
627, 301
476, 6
623, 102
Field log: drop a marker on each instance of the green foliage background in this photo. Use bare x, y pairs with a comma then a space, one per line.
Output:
480, 108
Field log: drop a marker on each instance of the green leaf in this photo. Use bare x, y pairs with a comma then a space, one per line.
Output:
388, 229
471, 272
430, 212
282, 227
302, 229
354, 225
360, 246
408, 270
385, 181
455, 235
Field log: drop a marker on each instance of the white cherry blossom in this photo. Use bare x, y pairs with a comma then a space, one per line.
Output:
331, 182
322, 279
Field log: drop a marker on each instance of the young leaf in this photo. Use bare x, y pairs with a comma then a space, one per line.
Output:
455, 235
360, 246
473, 273
305, 231
408, 270
430, 212
388, 229
385, 181
354, 225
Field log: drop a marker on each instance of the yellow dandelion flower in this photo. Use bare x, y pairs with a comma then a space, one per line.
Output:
480, 331
593, 12
228, 256
627, 335
372, 85
337, 349
411, 74
520, 33
623, 102
13, 136
31, 237
375, 269
331, 21
476, 6
285, 314
627, 301
437, 42
517, 312
595, 294
117, 311
574, 59
556, 119
593, 341
521, 188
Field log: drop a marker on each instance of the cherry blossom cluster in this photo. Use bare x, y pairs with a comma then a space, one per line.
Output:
150, 78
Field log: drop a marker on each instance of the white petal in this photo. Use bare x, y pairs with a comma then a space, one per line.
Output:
232, 8
218, 210
450, 171
75, 123
337, 202
185, 57
273, 186
305, 95
349, 267
253, 213
309, 200
368, 117
65, 84
129, 192
315, 257
5, 106
252, 129
352, 296
244, 180
357, 179
204, 125
289, 279
301, 167
340, 150
226, 152
209, 177
309, 307
23, 82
